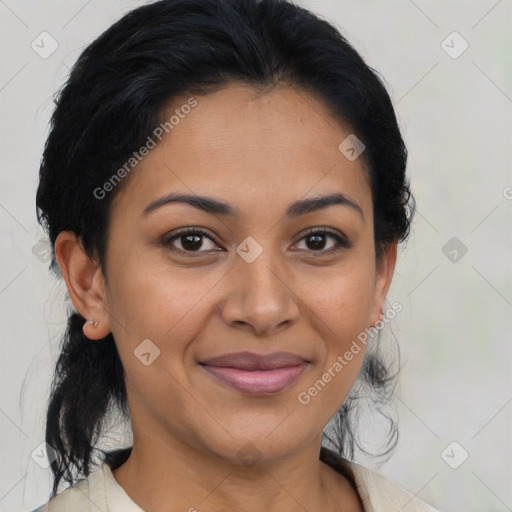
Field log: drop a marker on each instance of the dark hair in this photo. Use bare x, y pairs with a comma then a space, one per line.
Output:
115, 97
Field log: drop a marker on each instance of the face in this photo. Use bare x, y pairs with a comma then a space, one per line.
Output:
256, 275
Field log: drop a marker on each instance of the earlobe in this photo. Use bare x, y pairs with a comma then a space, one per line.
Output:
85, 283
381, 316
384, 275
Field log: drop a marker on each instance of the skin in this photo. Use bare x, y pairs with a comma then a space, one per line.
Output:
259, 152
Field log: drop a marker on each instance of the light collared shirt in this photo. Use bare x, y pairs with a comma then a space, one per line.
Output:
100, 492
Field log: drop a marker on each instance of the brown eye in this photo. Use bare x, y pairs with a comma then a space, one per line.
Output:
317, 240
190, 241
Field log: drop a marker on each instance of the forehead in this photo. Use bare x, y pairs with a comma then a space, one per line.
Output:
259, 148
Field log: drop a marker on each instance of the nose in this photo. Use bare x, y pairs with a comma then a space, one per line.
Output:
261, 299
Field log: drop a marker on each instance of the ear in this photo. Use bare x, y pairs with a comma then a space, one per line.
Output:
85, 283
385, 270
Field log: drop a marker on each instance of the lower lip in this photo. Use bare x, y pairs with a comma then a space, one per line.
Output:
257, 382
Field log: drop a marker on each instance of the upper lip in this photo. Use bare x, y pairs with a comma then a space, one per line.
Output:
251, 361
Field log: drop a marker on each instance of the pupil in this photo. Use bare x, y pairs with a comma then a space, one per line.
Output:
318, 240
196, 244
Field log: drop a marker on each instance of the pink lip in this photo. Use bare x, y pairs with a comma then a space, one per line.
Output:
257, 382
252, 361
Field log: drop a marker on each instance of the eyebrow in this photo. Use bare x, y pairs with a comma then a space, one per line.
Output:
211, 205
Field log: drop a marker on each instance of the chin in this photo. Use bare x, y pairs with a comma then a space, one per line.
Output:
256, 445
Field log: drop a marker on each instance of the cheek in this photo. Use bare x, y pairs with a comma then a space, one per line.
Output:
153, 299
150, 305
340, 311
169, 311
342, 301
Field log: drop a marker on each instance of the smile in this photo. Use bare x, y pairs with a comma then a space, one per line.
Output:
257, 382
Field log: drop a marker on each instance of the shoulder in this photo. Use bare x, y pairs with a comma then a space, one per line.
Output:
382, 494
85, 496
378, 493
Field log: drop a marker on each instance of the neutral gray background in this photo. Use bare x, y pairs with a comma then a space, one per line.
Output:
455, 330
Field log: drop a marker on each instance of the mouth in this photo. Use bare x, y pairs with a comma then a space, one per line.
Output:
257, 382
254, 374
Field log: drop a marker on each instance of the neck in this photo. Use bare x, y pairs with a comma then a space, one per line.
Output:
162, 477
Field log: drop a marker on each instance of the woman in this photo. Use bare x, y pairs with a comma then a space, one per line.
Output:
224, 188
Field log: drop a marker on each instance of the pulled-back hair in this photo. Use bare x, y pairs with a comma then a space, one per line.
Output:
114, 98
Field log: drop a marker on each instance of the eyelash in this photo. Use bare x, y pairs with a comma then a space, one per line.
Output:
342, 242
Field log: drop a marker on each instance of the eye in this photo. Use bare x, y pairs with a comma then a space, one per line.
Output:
315, 240
189, 241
